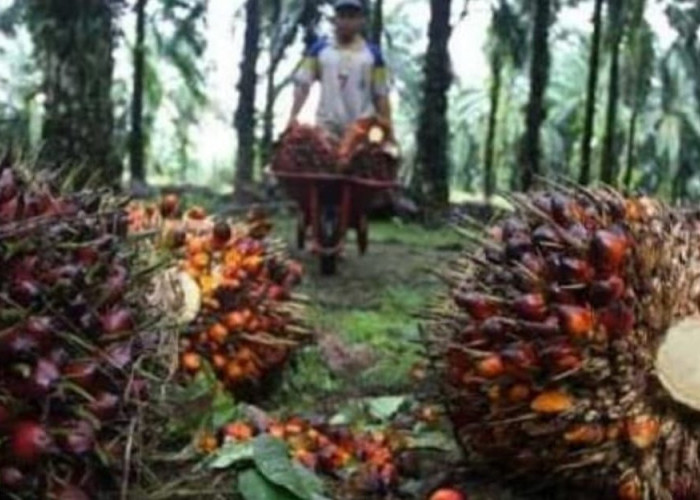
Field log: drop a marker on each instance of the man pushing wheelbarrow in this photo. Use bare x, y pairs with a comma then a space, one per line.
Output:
334, 170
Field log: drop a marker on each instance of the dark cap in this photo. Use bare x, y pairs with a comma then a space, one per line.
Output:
357, 4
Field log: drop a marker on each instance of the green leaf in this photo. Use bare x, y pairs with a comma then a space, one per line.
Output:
271, 457
311, 481
385, 407
231, 454
254, 486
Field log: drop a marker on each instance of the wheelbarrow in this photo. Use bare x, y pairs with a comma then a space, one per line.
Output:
329, 205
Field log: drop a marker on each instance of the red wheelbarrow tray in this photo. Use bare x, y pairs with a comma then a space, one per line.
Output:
354, 193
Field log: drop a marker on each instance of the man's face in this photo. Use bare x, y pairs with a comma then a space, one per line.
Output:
349, 21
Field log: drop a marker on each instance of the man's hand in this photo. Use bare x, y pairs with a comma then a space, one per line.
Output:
292, 122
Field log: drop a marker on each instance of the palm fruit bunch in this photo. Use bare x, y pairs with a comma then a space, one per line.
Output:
238, 309
366, 460
366, 150
304, 148
71, 323
568, 346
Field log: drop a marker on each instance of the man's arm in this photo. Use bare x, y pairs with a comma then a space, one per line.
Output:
301, 95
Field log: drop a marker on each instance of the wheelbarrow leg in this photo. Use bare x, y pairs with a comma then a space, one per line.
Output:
301, 230
328, 233
362, 234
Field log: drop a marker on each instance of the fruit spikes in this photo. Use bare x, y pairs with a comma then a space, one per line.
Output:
548, 345
69, 337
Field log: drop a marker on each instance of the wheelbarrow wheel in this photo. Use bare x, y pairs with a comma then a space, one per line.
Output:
301, 231
362, 235
329, 219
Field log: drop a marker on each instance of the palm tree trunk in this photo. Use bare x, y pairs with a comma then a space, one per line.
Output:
608, 168
377, 22
431, 184
489, 174
75, 40
593, 67
269, 113
245, 113
631, 157
539, 77
136, 147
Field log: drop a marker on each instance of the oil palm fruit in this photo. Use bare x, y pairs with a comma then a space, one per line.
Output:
569, 346
70, 333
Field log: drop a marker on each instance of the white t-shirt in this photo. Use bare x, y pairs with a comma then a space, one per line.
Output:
351, 78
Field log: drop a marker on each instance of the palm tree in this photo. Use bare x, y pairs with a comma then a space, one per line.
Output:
172, 37
74, 40
593, 66
609, 162
639, 72
539, 77
136, 151
432, 181
506, 48
377, 22
244, 120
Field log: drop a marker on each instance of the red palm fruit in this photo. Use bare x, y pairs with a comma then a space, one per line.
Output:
9, 209
576, 321
116, 284
190, 362
77, 438
546, 235
119, 355
81, 372
617, 320
562, 209
604, 291
490, 366
517, 245
477, 305
561, 356
70, 492
11, 477
643, 431
277, 293
520, 357
531, 307
104, 406
585, 434
630, 488
197, 213
87, 255
447, 494
492, 329
518, 393
561, 295
513, 226
240, 431
44, 376
534, 263
8, 185
608, 250
169, 205
29, 442
116, 320
575, 270
221, 233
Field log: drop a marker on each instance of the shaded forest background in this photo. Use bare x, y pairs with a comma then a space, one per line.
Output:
136, 90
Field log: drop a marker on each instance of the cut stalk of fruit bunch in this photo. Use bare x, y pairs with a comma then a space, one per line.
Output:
569, 348
71, 314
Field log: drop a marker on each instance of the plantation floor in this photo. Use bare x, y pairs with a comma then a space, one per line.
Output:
360, 370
